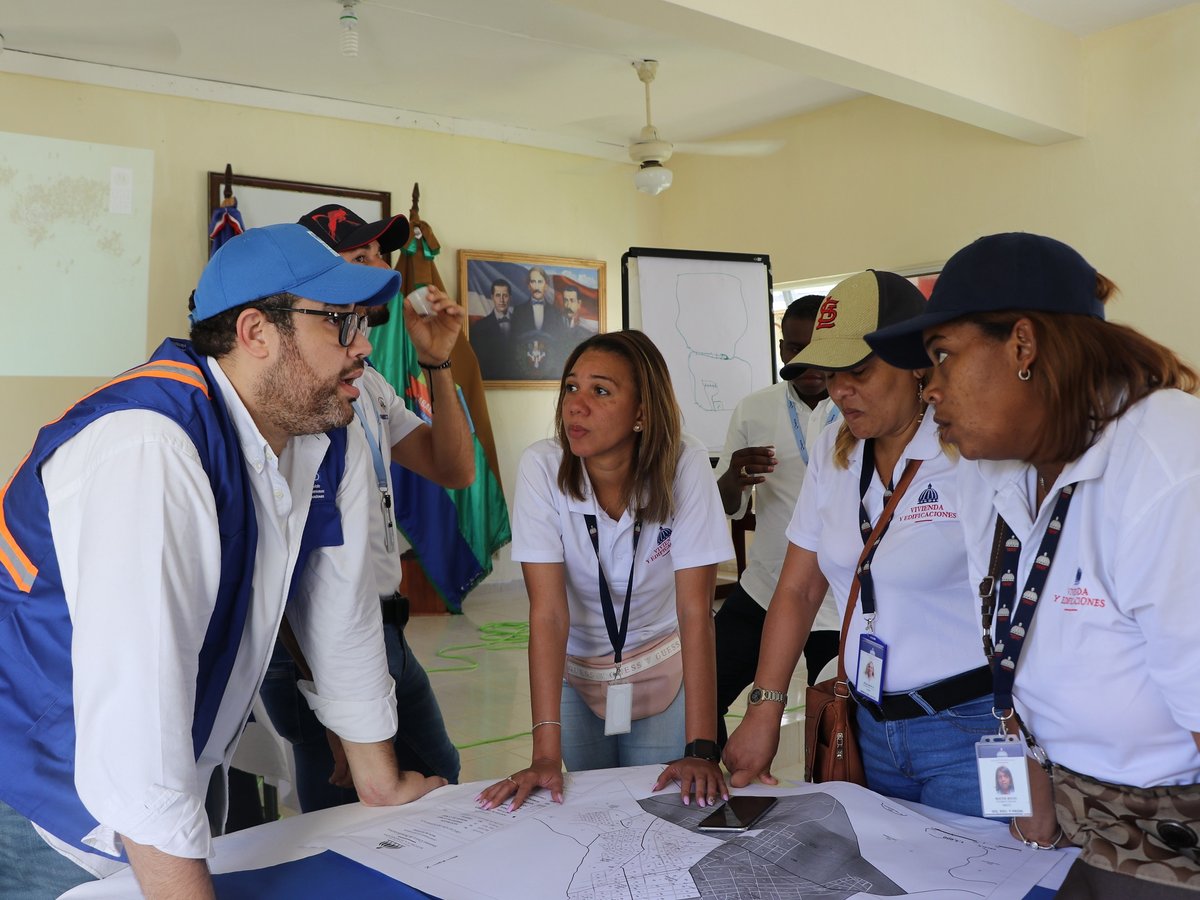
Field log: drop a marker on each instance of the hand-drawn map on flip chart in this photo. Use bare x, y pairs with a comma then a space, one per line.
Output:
614, 840
710, 316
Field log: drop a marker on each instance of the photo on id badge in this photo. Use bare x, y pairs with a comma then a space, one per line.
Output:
872, 653
1003, 777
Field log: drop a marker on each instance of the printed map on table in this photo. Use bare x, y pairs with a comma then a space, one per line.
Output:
614, 840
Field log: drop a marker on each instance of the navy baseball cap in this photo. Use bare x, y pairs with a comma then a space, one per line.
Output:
998, 272
858, 304
343, 229
265, 261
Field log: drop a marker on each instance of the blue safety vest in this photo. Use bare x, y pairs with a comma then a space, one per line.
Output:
37, 729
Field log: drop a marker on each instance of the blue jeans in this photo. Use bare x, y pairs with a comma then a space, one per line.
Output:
422, 743
30, 869
929, 759
654, 739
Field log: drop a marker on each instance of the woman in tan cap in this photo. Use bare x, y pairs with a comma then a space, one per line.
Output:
926, 700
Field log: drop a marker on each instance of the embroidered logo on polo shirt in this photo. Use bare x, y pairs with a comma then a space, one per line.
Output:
662, 546
1079, 597
928, 508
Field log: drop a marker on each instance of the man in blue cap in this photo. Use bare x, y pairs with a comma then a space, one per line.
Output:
148, 544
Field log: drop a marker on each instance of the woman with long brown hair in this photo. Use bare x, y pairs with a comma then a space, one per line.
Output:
1081, 509
619, 528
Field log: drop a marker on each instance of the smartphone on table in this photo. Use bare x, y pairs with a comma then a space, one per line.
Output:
737, 813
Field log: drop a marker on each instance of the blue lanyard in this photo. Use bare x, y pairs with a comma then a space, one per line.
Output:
616, 636
798, 429
374, 441
1012, 624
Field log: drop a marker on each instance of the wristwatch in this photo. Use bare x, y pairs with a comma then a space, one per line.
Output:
758, 695
702, 749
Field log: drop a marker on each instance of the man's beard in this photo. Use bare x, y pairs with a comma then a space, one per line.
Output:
296, 400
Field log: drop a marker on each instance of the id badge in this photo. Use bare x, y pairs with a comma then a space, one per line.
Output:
1003, 776
618, 709
872, 654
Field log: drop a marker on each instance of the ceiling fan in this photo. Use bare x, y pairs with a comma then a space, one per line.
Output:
651, 152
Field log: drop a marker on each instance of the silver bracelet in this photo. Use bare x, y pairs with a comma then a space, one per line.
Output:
1034, 845
547, 722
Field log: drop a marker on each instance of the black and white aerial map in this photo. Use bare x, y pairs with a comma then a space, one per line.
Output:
612, 839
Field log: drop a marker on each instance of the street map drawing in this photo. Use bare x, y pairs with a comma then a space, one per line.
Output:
614, 840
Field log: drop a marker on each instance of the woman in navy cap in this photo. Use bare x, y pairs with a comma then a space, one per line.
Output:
1080, 512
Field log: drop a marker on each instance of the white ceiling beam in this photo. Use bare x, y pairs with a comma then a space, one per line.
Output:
976, 61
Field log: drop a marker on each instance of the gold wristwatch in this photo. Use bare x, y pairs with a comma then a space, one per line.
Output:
758, 695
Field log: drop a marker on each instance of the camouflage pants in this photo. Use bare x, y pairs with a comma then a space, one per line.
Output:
1148, 833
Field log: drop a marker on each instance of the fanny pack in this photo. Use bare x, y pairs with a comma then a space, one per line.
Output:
655, 670
1147, 833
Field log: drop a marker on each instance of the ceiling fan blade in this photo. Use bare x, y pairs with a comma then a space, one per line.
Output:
731, 148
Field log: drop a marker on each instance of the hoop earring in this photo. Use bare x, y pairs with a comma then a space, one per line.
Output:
1025, 374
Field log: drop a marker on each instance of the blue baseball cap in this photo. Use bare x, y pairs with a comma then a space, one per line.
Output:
278, 258
999, 272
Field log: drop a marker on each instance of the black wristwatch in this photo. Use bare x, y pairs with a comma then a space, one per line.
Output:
702, 749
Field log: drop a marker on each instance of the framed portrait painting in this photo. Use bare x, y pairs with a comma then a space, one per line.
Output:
526, 313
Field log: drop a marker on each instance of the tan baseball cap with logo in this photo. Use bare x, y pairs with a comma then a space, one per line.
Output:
857, 306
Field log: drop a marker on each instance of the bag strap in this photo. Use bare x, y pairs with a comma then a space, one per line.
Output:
910, 471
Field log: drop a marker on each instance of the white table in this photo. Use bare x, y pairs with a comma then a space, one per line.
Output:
297, 837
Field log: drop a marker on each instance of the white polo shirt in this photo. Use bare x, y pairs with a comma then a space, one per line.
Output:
1109, 678
763, 419
388, 422
926, 611
548, 527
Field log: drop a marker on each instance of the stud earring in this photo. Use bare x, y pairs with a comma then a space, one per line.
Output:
1025, 374
637, 426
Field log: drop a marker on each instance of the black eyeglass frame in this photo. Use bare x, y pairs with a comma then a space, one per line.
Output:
347, 322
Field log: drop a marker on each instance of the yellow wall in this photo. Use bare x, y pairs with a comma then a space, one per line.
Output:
865, 183
478, 194
873, 183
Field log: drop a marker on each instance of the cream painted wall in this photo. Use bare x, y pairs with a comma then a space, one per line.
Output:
871, 183
478, 194
866, 183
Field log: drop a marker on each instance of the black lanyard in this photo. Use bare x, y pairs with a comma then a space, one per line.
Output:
1013, 619
865, 578
615, 635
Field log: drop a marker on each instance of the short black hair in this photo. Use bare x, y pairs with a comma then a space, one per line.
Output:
216, 335
804, 308
500, 282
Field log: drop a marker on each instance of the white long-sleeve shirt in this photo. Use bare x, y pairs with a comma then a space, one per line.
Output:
135, 530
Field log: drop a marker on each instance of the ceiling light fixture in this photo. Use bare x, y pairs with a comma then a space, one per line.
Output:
349, 22
652, 177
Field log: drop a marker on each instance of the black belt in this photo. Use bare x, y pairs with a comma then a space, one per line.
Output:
395, 610
939, 696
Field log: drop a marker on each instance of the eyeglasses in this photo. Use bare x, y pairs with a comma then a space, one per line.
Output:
348, 322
